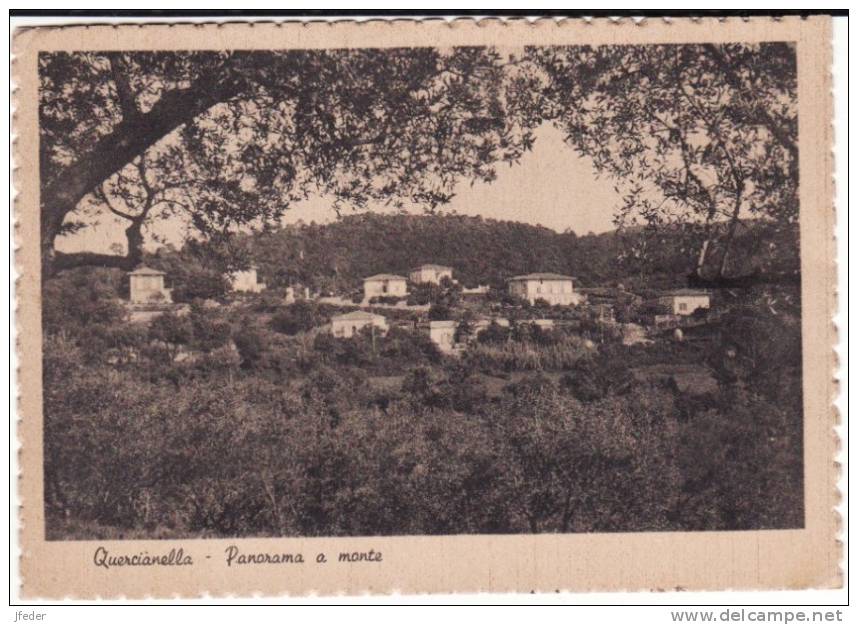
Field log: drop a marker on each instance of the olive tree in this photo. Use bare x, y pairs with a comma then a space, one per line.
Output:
233, 137
697, 137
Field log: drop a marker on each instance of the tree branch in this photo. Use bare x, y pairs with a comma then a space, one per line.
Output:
130, 138
782, 136
124, 93
101, 193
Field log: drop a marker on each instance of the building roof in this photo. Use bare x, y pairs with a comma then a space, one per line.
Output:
697, 292
542, 276
142, 270
384, 276
357, 315
432, 266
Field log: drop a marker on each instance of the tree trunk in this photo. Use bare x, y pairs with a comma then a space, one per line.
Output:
134, 236
731, 233
731, 230
701, 258
130, 138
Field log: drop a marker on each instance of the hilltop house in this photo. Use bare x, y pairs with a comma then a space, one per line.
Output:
554, 288
384, 285
347, 325
147, 286
683, 301
246, 281
430, 273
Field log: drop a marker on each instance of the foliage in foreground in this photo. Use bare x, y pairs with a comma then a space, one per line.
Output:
258, 433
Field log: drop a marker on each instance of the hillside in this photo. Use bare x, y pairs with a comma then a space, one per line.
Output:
337, 256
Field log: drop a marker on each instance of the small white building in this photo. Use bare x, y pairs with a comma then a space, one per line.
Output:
430, 274
554, 288
384, 285
147, 286
246, 281
348, 324
684, 301
443, 334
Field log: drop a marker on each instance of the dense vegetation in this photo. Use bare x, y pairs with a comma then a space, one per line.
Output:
239, 420
336, 257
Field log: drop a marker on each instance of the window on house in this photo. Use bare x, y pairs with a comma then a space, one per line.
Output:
683, 306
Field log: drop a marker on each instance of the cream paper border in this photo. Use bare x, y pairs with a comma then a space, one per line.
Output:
791, 559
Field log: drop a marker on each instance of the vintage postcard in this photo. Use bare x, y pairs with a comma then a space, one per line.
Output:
417, 307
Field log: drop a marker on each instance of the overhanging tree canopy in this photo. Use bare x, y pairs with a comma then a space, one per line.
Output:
234, 137
696, 136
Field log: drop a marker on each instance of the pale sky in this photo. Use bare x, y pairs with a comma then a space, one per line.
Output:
552, 186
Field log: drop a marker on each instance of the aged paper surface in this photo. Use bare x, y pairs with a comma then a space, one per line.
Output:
122, 490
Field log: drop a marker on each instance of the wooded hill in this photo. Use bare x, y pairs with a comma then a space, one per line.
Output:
336, 257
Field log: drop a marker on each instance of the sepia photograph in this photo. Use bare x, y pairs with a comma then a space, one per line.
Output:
473, 286
354, 293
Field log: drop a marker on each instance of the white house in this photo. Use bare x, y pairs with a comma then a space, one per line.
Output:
348, 324
430, 273
246, 281
554, 288
684, 301
443, 334
384, 285
147, 286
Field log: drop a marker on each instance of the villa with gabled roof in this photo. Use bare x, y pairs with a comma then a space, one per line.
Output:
385, 285
430, 273
348, 324
554, 288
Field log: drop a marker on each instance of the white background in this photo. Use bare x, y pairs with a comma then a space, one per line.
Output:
622, 607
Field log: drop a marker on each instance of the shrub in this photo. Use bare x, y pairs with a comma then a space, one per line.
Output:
298, 317
210, 330
250, 346
439, 312
423, 294
80, 297
192, 283
390, 300
266, 302
494, 334
596, 377
527, 355
171, 333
